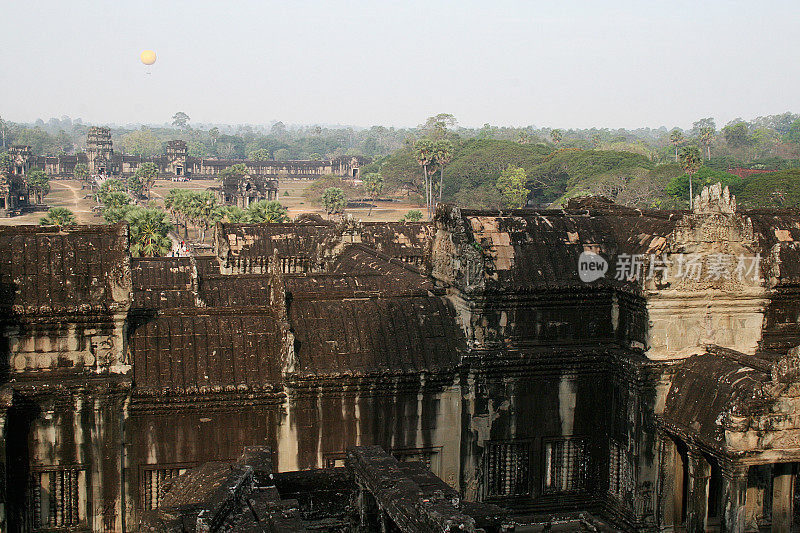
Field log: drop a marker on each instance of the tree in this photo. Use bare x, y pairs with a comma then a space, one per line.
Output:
278, 129
262, 154
267, 211
214, 134
511, 184
414, 215
556, 135
180, 119
676, 138
108, 186
38, 182
423, 152
706, 137
282, 154
793, 135
691, 163
236, 172
80, 172
112, 215
149, 232
143, 143
334, 200
134, 185
58, 216
736, 135
115, 199
443, 154
314, 156
147, 174
234, 214
373, 185
436, 127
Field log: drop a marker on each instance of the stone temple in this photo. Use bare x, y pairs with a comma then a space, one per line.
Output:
457, 375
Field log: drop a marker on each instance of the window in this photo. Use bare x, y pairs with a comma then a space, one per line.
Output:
334, 459
427, 456
620, 472
59, 497
565, 465
507, 468
155, 484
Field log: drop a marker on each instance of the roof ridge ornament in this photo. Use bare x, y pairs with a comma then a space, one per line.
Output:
715, 199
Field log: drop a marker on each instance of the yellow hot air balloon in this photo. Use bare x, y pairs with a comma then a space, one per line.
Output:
148, 57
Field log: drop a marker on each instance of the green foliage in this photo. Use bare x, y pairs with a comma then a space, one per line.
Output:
114, 199
414, 215
689, 158
736, 135
373, 184
262, 154
556, 135
112, 215
267, 211
282, 154
38, 182
678, 187
480, 162
237, 171
180, 119
570, 169
146, 174
511, 184
773, 189
234, 214
80, 172
334, 200
134, 185
149, 232
482, 197
143, 143
58, 216
793, 135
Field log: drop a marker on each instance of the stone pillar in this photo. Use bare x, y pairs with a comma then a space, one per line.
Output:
782, 494
697, 501
734, 498
6, 399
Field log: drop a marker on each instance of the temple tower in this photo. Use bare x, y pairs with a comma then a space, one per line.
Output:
176, 158
99, 151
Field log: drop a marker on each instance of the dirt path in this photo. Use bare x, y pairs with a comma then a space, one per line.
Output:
75, 191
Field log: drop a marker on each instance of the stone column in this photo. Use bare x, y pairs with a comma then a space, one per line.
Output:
782, 493
697, 500
734, 498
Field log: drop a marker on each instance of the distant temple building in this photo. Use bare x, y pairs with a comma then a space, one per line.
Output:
261, 182
101, 159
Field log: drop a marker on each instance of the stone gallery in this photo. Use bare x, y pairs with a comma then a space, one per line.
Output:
591, 368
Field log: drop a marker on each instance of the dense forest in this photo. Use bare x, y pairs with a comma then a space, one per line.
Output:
758, 159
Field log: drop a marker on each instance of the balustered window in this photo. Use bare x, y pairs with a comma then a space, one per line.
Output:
59, 497
155, 482
565, 465
508, 468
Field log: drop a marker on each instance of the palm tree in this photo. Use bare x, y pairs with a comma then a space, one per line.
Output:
373, 185
706, 137
58, 216
691, 163
443, 152
423, 151
149, 233
676, 138
267, 211
556, 135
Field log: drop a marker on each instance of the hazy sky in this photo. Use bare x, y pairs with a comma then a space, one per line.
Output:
554, 63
